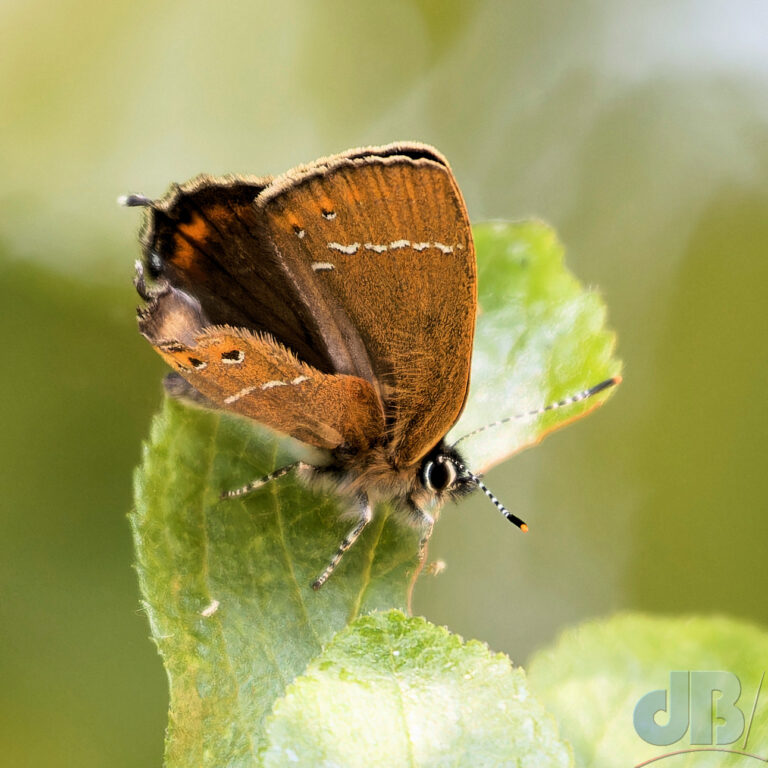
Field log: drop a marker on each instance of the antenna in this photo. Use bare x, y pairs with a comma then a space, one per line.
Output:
521, 524
134, 201
577, 398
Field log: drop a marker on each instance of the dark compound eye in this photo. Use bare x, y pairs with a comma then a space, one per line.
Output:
439, 475
155, 264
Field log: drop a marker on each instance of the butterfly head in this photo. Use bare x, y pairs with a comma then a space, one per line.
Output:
444, 475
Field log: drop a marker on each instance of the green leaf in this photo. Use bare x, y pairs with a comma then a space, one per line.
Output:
595, 674
540, 338
226, 584
396, 691
256, 558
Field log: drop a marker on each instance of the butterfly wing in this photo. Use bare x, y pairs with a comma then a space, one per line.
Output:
255, 376
383, 238
207, 238
361, 264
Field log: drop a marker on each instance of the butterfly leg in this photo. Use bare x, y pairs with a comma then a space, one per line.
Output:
148, 293
425, 522
255, 484
427, 526
365, 515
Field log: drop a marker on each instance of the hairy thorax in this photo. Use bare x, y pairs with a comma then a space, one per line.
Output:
372, 472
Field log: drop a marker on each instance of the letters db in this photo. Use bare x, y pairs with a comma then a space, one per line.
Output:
704, 701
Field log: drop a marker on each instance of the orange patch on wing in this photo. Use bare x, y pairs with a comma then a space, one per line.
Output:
292, 220
184, 254
220, 214
188, 235
196, 228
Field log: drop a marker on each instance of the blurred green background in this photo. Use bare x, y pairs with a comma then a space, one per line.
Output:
637, 129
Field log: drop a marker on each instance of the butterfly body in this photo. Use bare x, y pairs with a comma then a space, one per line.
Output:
414, 489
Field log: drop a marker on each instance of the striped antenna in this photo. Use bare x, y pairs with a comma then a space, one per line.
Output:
484, 488
586, 394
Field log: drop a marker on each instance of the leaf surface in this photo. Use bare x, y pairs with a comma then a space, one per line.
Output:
248, 564
404, 692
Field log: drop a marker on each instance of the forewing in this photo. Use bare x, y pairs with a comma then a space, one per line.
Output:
255, 376
384, 236
207, 239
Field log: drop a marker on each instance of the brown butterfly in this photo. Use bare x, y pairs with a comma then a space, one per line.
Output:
335, 303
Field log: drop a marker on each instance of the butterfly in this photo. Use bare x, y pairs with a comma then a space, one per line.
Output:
335, 303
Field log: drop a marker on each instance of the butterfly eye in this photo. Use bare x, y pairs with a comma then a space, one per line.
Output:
155, 264
439, 475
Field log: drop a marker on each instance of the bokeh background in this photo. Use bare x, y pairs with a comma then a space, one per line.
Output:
637, 129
